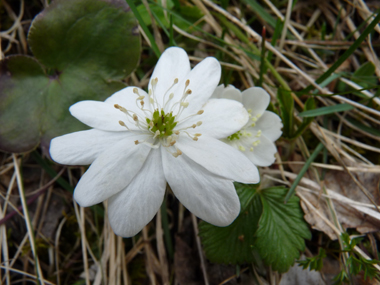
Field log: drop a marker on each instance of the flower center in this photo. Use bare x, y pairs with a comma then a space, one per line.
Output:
162, 122
235, 136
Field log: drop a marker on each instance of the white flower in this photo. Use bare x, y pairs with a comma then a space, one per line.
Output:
141, 141
256, 139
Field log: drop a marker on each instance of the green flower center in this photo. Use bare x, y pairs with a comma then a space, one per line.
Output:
235, 136
164, 123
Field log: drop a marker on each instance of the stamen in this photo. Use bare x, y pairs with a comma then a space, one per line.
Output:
200, 112
135, 118
171, 95
185, 104
156, 134
176, 154
136, 142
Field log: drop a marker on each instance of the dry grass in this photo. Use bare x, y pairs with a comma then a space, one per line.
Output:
45, 237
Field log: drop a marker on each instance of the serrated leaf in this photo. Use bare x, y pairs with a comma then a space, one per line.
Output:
87, 46
282, 229
232, 244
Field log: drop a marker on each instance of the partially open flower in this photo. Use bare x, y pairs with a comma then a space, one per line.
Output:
256, 139
140, 141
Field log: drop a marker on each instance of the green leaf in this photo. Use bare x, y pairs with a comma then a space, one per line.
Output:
286, 106
282, 229
326, 110
315, 262
365, 75
232, 244
87, 47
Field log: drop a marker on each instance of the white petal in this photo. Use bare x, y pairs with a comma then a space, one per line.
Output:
100, 115
221, 118
134, 207
262, 154
218, 92
111, 172
229, 92
204, 78
208, 196
219, 158
173, 63
256, 99
127, 99
270, 125
81, 148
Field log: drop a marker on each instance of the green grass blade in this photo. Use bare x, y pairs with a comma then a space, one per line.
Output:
326, 110
363, 127
165, 226
347, 53
144, 27
261, 12
303, 171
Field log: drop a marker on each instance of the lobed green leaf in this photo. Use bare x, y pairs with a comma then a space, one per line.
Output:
282, 229
233, 244
87, 47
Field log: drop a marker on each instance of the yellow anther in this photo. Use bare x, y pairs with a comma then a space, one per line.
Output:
199, 123
187, 82
135, 90
200, 112
136, 142
258, 134
135, 118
